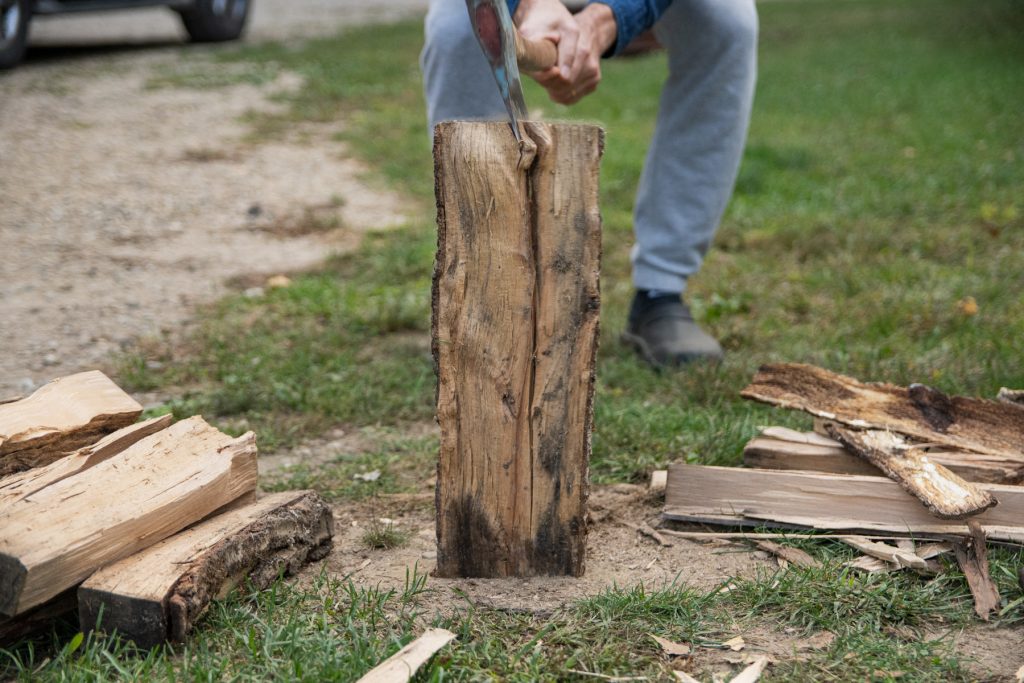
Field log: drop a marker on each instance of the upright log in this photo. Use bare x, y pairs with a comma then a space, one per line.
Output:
515, 303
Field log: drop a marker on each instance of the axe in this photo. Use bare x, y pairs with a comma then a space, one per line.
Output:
506, 51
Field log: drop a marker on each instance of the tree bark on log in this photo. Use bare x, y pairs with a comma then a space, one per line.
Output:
160, 593
918, 411
515, 324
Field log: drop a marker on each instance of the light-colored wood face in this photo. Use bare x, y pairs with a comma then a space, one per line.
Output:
516, 305
945, 494
730, 495
58, 535
14, 487
59, 417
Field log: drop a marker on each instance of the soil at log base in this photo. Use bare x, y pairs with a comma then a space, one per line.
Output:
124, 206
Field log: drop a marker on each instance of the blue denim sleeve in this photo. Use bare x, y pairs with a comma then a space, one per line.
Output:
632, 17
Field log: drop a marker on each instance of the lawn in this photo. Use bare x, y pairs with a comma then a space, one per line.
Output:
881, 193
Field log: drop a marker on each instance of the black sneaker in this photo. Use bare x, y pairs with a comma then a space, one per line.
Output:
663, 332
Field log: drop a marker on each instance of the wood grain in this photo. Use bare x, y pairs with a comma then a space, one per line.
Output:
945, 494
59, 417
779, 448
972, 556
514, 337
919, 411
160, 592
16, 486
837, 502
54, 538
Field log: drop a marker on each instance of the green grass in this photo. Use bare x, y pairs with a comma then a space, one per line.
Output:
882, 184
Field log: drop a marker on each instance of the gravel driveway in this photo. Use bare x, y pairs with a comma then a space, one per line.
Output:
123, 207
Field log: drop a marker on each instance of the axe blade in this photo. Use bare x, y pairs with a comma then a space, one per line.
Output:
495, 31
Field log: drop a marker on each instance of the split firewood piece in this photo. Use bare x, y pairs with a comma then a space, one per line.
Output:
401, 666
918, 411
160, 593
16, 486
752, 673
886, 552
54, 538
972, 556
514, 334
838, 502
788, 553
59, 417
945, 494
779, 448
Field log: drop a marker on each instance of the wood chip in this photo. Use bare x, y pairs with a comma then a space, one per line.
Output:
886, 552
819, 641
670, 648
972, 556
871, 565
401, 666
659, 478
789, 554
735, 644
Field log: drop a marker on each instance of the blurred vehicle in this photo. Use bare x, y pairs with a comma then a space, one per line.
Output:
207, 21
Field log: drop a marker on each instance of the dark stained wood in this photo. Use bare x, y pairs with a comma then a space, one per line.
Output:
918, 411
945, 494
515, 314
160, 593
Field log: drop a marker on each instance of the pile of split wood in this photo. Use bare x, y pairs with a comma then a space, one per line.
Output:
138, 524
902, 461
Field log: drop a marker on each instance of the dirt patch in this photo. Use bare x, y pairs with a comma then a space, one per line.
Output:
124, 206
616, 555
994, 653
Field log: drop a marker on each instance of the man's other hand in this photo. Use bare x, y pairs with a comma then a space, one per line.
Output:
581, 40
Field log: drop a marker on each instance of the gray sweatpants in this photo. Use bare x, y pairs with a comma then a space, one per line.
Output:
703, 116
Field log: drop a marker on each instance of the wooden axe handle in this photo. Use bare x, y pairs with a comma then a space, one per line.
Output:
535, 55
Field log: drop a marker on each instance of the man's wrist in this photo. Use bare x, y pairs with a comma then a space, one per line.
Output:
602, 19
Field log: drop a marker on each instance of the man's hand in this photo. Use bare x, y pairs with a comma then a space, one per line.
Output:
581, 41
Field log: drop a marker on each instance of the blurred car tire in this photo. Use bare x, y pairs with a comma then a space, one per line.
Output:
214, 21
14, 18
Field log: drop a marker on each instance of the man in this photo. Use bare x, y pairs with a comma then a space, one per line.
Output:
692, 162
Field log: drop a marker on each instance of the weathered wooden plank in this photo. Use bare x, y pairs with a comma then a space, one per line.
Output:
918, 411
38, 619
515, 304
945, 494
160, 592
54, 538
774, 450
16, 486
66, 414
838, 502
